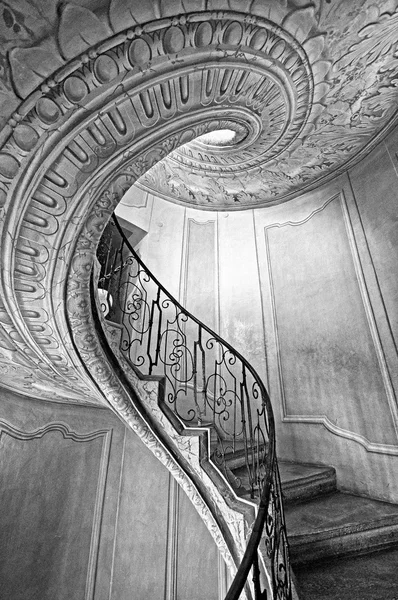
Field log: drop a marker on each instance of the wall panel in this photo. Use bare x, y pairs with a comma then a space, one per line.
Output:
162, 247
327, 359
375, 186
58, 468
87, 512
241, 311
197, 556
47, 477
200, 287
141, 534
307, 290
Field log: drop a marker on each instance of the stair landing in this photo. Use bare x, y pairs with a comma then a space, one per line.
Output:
370, 577
342, 546
301, 482
340, 524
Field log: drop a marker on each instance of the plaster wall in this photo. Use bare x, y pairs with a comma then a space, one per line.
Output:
86, 511
308, 292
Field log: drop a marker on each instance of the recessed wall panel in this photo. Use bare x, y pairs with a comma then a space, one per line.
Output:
200, 271
327, 358
375, 185
139, 568
197, 556
50, 509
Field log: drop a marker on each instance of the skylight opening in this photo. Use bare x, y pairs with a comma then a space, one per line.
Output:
219, 137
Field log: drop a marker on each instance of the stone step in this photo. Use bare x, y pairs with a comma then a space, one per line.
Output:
232, 463
370, 577
236, 460
339, 524
301, 482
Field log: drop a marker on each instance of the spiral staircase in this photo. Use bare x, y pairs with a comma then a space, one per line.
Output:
94, 97
203, 385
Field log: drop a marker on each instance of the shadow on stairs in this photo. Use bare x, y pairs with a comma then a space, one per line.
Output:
342, 546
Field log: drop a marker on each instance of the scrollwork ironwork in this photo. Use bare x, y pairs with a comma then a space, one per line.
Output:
206, 383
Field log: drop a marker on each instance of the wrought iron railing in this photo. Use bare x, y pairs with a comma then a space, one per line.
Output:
206, 383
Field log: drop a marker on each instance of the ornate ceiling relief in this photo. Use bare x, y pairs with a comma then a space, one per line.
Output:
71, 150
300, 89
124, 105
322, 85
120, 108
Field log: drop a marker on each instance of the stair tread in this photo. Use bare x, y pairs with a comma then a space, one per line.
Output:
370, 577
292, 472
338, 511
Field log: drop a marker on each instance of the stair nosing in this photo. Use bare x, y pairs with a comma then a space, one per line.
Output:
309, 479
344, 530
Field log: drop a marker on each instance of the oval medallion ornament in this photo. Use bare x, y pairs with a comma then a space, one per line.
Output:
105, 68
259, 38
139, 52
3, 197
173, 40
25, 137
233, 34
75, 89
47, 110
8, 165
203, 34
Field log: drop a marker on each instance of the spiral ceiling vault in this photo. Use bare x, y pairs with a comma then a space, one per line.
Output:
320, 82
215, 104
314, 84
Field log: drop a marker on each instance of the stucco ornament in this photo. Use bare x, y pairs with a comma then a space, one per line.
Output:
338, 92
320, 82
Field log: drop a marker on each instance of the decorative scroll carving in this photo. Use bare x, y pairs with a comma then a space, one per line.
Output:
190, 67
349, 120
60, 142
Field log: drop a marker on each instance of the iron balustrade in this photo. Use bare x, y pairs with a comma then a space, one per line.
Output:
206, 383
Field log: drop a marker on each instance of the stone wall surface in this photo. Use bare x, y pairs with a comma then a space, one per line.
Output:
87, 512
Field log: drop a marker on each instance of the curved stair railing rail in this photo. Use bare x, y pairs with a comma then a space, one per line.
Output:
206, 383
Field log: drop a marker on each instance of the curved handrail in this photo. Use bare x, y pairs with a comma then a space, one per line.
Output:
158, 338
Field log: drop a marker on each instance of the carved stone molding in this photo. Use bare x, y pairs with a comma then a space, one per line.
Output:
158, 86
118, 109
347, 50
84, 135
